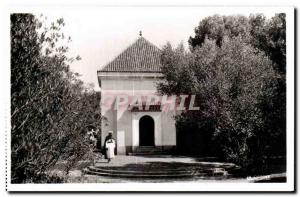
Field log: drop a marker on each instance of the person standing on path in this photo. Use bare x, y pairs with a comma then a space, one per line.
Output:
109, 146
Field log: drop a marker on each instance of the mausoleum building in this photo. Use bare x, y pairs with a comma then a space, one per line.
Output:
134, 74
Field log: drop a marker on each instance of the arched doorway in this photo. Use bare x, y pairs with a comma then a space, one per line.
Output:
146, 131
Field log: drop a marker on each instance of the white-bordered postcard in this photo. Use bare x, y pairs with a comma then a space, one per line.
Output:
150, 98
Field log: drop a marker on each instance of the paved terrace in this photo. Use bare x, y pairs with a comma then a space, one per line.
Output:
157, 165
161, 167
122, 160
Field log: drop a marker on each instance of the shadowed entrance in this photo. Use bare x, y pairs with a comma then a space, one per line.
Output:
146, 131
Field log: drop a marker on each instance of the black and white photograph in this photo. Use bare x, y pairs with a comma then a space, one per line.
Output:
151, 98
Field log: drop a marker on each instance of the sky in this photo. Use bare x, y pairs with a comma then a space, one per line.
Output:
99, 34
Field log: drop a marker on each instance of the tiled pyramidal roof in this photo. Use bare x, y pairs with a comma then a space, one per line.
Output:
141, 56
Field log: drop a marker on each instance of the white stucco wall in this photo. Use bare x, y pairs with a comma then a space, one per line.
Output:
124, 123
169, 129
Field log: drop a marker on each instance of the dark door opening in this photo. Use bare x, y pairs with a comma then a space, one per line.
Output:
146, 131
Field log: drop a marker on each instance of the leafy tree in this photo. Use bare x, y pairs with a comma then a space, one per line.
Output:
270, 36
216, 27
231, 81
267, 38
267, 35
50, 107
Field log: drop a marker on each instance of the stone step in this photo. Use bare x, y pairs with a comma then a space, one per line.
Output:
148, 150
145, 149
137, 175
158, 172
147, 153
120, 172
141, 147
155, 176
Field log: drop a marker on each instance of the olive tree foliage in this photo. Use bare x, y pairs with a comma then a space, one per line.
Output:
236, 67
231, 81
50, 106
270, 36
216, 27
